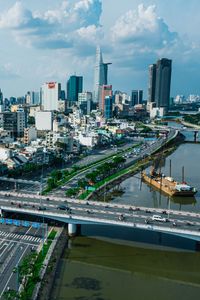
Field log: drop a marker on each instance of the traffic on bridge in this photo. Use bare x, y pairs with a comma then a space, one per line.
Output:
89, 212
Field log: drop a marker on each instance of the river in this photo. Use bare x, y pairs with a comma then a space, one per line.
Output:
103, 269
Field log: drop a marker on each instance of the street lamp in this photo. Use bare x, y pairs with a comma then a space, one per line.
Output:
41, 204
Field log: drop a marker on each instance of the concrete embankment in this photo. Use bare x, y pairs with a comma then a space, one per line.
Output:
46, 286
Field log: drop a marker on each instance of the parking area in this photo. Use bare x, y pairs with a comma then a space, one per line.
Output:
15, 243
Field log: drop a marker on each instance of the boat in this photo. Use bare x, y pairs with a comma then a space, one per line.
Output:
168, 185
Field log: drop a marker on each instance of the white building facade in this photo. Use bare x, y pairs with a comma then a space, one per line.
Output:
44, 120
50, 95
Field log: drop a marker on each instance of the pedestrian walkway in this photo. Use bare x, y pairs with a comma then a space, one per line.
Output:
13, 236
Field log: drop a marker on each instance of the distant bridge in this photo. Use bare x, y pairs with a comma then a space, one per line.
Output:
33, 182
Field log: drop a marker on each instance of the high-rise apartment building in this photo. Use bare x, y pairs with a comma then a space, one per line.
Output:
100, 75
32, 98
74, 86
159, 83
85, 102
50, 95
15, 122
163, 82
136, 97
152, 83
108, 107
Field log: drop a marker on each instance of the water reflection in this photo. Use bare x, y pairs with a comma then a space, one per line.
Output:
141, 194
184, 201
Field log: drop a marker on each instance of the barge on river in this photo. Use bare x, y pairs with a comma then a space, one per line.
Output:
168, 185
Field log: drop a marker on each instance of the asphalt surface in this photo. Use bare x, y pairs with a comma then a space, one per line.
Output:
15, 244
99, 210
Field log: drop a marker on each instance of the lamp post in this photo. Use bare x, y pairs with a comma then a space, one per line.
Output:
41, 204
168, 207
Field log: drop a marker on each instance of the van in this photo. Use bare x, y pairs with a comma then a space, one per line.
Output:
158, 218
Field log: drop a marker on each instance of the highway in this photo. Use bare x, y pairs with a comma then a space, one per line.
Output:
15, 244
94, 211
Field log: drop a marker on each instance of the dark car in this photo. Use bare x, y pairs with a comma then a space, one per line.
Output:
42, 208
62, 207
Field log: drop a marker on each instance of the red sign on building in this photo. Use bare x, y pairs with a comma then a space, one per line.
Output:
51, 85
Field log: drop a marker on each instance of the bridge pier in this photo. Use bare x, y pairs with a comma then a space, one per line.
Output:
195, 135
72, 229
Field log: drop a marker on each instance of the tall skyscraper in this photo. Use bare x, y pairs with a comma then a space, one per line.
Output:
32, 98
74, 86
163, 82
100, 75
152, 83
136, 97
108, 107
50, 95
2, 104
105, 91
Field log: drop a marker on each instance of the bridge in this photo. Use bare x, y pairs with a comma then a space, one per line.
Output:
76, 212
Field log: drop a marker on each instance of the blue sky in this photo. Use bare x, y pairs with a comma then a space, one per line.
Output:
51, 40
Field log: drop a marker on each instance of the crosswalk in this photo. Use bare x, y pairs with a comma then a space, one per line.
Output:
14, 236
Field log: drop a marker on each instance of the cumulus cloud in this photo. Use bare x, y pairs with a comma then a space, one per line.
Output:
144, 28
139, 37
136, 39
56, 28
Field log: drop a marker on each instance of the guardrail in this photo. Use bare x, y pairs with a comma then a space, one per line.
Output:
100, 204
77, 219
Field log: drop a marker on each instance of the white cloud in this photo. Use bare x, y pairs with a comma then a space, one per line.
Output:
56, 28
143, 28
17, 16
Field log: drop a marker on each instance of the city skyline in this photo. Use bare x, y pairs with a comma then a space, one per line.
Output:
51, 41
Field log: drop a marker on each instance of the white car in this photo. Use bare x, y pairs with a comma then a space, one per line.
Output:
158, 218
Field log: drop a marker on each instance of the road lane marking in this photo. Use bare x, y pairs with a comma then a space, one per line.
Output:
12, 272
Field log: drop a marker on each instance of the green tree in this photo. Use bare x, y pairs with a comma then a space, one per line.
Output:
65, 173
92, 176
31, 120
10, 295
56, 175
82, 183
71, 192
51, 183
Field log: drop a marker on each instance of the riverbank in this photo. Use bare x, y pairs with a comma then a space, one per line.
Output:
110, 183
50, 274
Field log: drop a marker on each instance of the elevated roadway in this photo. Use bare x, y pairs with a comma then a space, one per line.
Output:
186, 224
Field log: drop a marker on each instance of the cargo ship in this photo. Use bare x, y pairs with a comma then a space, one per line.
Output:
168, 185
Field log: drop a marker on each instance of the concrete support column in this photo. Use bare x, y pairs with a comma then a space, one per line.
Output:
72, 229
195, 136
